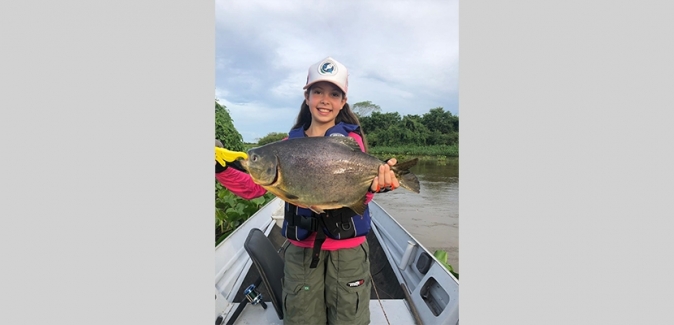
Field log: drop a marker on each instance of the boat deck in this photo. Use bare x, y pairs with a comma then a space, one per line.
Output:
394, 312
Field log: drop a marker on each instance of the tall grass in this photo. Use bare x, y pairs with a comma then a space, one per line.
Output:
429, 152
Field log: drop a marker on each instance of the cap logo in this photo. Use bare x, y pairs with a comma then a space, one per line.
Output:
327, 68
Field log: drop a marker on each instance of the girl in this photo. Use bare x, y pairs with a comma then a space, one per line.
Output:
326, 277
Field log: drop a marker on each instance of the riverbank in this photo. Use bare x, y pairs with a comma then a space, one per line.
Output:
437, 152
433, 152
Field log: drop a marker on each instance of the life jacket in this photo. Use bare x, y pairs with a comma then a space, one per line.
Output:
299, 223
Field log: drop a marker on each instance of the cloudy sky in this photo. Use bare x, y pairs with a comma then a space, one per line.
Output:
401, 55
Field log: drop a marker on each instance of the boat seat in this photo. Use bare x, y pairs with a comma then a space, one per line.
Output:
268, 263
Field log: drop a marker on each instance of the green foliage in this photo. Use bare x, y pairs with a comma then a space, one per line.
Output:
435, 128
442, 257
438, 119
271, 137
232, 210
225, 131
400, 152
378, 121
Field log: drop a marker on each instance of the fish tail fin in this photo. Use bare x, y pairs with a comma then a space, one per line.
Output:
405, 177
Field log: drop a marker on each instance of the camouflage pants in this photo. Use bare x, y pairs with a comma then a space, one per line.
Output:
336, 292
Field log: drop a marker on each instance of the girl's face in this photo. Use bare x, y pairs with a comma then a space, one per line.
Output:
325, 100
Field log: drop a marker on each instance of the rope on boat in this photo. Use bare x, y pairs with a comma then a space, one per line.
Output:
379, 299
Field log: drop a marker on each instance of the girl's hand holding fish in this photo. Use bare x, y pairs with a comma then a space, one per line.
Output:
386, 180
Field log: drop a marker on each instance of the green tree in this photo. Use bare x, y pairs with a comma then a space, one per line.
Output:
377, 127
225, 131
379, 120
365, 108
413, 131
443, 127
271, 137
439, 120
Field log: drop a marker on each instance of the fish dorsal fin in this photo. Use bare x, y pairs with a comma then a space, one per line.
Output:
347, 141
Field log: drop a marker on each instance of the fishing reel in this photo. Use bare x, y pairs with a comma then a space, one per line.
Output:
254, 296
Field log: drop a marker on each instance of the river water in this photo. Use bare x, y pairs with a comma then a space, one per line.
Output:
432, 216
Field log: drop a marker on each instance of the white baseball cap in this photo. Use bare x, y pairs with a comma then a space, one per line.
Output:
329, 70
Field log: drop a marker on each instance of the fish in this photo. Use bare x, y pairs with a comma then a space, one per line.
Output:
321, 173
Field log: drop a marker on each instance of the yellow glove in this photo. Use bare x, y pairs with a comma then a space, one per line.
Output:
223, 155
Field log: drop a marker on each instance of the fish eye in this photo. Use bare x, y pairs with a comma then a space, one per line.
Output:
254, 157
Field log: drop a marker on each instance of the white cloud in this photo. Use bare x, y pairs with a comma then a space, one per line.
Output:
254, 120
401, 55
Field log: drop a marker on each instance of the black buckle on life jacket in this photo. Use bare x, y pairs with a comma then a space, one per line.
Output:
340, 223
295, 220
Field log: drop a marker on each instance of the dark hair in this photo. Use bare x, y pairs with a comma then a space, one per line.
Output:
345, 115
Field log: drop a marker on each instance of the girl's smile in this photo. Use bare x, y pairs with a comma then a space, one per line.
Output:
324, 111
